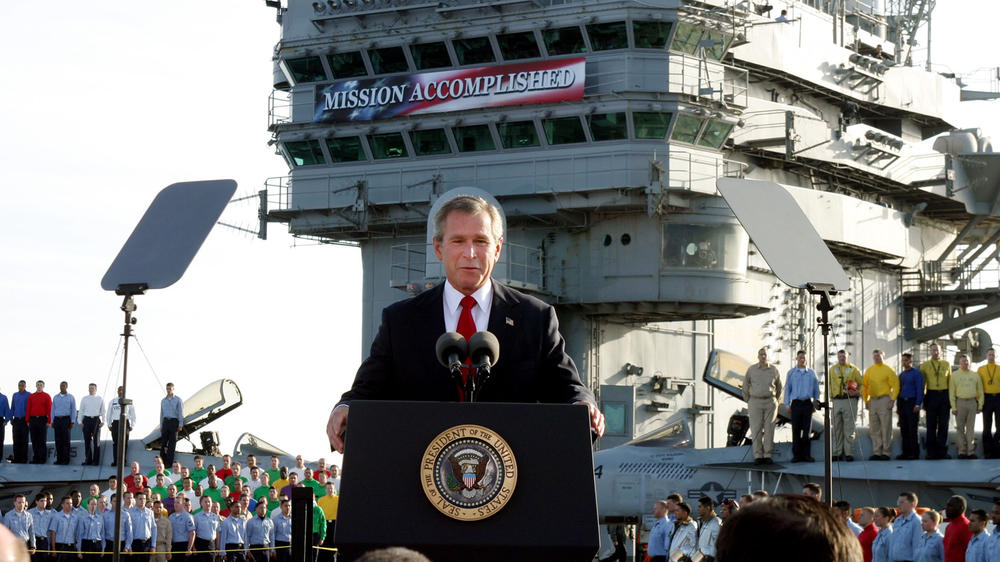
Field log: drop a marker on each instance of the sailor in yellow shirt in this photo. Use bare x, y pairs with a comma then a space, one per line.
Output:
879, 388
966, 394
937, 374
990, 374
329, 504
845, 386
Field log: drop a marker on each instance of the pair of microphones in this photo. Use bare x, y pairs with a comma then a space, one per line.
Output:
482, 350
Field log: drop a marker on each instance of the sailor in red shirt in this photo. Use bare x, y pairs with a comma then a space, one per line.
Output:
227, 468
136, 482
957, 535
39, 413
868, 531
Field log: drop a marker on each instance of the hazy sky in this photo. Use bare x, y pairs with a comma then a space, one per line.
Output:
104, 104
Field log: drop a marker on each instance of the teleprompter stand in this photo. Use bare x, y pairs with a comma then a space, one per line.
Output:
551, 514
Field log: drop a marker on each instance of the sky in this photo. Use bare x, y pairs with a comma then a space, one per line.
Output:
106, 103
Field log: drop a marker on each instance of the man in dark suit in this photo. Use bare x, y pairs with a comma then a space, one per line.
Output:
533, 365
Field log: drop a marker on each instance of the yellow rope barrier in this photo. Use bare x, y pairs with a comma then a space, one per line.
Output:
39, 551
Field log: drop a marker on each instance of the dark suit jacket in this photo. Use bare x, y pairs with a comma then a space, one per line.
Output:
533, 365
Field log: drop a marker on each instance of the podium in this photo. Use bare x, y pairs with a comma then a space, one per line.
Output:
399, 455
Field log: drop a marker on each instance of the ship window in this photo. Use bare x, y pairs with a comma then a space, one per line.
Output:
388, 59
716, 51
650, 125
614, 418
519, 134
698, 246
564, 130
304, 153
563, 41
687, 127
686, 39
430, 141
474, 138
514, 46
474, 50
430, 55
650, 34
347, 65
387, 145
715, 133
608, 126
346, 149
606, 36
308, 69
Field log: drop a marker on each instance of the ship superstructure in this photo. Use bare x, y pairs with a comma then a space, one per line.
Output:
602, 127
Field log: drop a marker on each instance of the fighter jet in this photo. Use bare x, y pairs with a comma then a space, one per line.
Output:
631, 477
215, 400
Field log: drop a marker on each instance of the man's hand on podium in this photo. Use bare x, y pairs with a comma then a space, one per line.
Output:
596, 418
337, 426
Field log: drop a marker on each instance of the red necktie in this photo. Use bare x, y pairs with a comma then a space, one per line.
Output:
466, 327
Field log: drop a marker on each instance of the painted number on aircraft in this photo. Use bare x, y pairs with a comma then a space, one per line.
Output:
599, 470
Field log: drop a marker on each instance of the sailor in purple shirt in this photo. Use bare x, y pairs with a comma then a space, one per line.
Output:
911, 397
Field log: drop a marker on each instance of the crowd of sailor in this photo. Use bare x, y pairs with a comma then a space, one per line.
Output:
236, 511
759, 526
933, 388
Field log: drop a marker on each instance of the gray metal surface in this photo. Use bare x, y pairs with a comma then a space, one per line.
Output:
161, 247
788, 241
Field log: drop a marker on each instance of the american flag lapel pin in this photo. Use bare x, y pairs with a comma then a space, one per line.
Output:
509, 321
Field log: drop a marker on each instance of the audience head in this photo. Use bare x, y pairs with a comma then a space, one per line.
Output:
806, 530
813, 490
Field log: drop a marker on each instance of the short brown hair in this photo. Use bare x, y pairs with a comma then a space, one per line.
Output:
470, 205
806, 530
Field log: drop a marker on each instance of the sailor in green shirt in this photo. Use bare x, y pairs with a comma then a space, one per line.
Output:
262, 492
212, 490
937, 374
236, 467
319, 524
275, 471
318, 490
845, 386
200, 472
966, 395
161, 486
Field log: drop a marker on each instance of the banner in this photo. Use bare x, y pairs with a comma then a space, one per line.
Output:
369, 99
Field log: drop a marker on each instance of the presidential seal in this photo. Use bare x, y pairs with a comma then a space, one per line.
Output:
468, 472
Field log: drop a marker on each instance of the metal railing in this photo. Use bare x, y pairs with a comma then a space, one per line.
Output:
708, 79
279, 193
952, 275
690, 170
279, 108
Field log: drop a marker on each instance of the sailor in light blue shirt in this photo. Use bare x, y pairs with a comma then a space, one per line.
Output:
20, 522
659, 535
64, 404
978, 549
931, 547
880, 548
143, 525
906, 529
801, 384
40, 520
181, 525
90, 527
62, 526
260, 529
233, 531
109, 527
283, 523
170, 407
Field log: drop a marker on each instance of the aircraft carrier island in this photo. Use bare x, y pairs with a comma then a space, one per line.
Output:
602, 128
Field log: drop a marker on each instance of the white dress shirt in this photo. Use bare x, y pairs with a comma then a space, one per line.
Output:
91, 406
480, 312
114, 412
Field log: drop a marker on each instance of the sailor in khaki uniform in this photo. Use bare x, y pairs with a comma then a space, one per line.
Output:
845, 385
966, 393
762, 392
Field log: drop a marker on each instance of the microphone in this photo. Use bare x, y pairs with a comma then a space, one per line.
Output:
452, 349
484, 351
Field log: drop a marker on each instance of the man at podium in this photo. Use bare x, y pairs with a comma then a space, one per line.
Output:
402, 365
